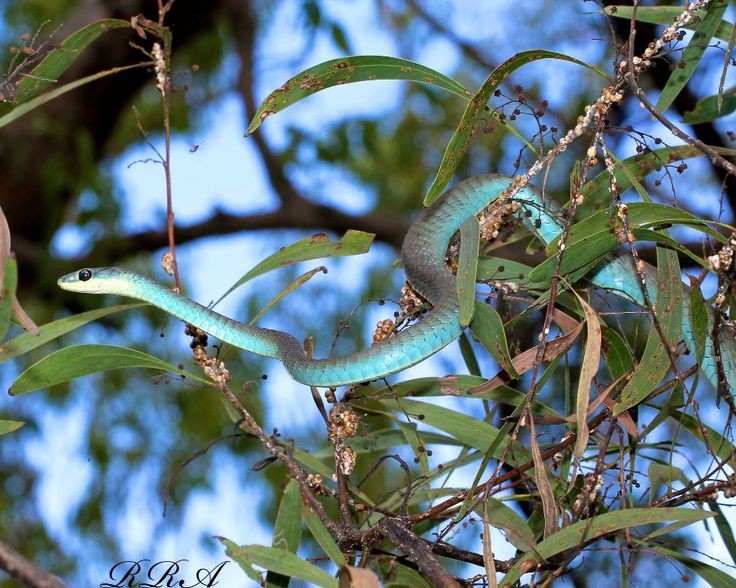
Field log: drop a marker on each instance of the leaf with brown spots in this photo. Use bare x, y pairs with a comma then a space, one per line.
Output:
348, 70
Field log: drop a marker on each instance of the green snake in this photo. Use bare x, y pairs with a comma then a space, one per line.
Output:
423, 255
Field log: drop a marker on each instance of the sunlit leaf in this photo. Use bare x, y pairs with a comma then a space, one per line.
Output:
588, 530
25, 342
10, 426
468, 353
497, 268
466, 429
348, 70
314, 247
459, 386
81, 360
588, 369
277, 560
712, 439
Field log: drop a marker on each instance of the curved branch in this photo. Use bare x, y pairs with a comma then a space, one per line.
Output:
25, 571
389, 229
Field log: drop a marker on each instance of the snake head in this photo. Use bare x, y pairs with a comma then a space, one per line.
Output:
96, 280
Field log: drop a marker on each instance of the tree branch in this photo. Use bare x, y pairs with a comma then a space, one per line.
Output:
245, 23
25, 571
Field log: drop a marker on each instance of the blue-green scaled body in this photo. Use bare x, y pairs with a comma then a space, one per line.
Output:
423, 255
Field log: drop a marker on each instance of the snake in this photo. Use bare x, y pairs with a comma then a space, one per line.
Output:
423, 254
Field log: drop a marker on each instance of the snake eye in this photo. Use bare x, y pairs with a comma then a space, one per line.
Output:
85, 274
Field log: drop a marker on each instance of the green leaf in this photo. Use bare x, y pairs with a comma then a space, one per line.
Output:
475, 111
466, 429
514, 527
8, 295
579, 258
338, 36
284, 292
277, 560
638, 167
287, 532
383, 439
655, 361
717, 443
24, 343
588, 530
323, 537
640, 215
498, 268
617, 354
698, 321
452, 386
487, 327
724, 529
467, 268
62, 56
664, 15
34, 103
707, 109
702, 34
468, 353
661, 474
10, 426
714, 577
314, 247
348, 70
396, 575
81, 360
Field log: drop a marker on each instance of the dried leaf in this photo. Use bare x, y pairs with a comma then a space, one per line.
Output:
525, 360
352, 577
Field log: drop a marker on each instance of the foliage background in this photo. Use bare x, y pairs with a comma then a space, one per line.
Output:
83, 483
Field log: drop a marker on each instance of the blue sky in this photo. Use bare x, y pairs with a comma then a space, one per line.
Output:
225, 172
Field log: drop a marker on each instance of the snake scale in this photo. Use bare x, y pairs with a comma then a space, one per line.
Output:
423, 255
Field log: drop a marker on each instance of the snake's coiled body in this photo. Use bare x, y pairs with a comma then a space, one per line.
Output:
423, 255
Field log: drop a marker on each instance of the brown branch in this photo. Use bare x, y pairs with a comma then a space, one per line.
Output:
389, 229
715, 158
244, 23
417, 549
438, 26
25, 571
685, 100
